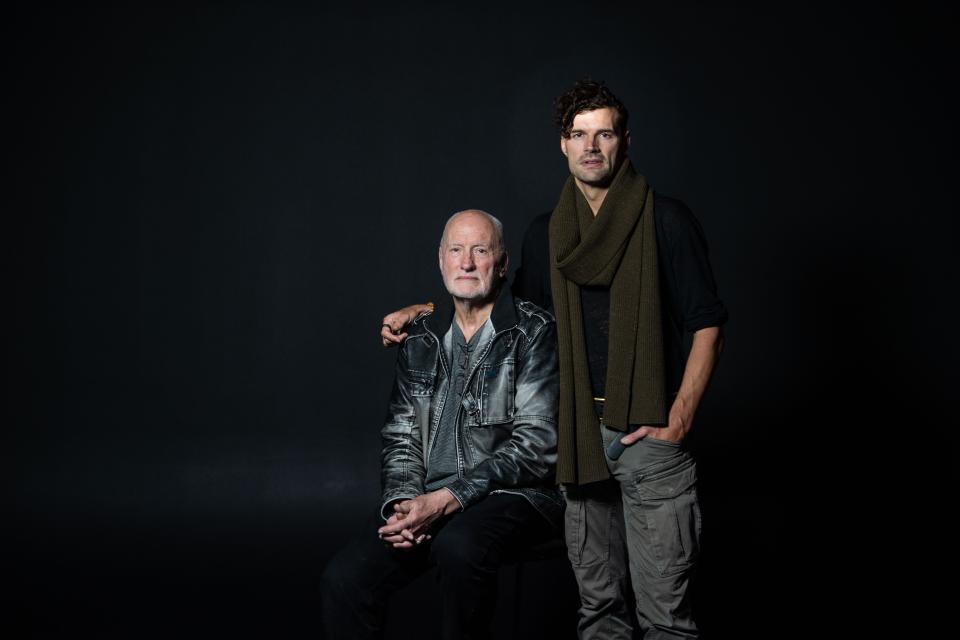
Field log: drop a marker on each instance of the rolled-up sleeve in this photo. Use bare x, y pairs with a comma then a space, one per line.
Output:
693, 290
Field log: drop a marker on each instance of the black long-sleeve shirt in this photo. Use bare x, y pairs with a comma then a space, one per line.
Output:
689, 302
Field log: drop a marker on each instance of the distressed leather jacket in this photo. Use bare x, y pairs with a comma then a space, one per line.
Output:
506, 433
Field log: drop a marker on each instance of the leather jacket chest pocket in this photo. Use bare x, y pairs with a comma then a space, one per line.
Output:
497, 393
421, 384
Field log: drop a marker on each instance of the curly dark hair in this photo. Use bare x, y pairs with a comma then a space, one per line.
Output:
587, 95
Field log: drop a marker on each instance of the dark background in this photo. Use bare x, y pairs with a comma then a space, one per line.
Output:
214, 204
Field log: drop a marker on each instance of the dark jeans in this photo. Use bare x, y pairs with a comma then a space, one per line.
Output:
467, 549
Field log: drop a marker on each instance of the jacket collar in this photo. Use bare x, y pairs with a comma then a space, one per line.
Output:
503, 316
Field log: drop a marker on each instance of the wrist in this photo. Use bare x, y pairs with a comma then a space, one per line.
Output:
422, 309
450, 502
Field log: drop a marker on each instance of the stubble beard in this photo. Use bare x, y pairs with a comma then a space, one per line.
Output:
600, 179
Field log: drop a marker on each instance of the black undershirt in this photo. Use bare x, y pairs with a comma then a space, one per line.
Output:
595, 302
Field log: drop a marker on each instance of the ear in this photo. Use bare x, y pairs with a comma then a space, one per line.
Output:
505, 265
440, 257
626, 139
563, 145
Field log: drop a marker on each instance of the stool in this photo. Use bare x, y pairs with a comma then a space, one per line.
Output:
550, 549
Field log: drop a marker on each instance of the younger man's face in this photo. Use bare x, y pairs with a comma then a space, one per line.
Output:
594, 149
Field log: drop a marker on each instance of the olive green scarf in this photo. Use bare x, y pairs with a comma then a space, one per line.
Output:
617, 249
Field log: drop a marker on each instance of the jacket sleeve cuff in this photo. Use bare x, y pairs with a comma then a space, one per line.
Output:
386, 509
465, 494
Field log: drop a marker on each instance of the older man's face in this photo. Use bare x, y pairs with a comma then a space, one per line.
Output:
470, 257
594, 149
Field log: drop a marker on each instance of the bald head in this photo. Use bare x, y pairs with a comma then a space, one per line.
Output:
473, 258
475, 214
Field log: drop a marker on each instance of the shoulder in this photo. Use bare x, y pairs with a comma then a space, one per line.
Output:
675, 221
531, 319
417, 327
542, 221
419, 338
671, 211
539, 228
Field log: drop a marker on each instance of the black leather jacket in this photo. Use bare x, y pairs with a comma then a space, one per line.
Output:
507, 430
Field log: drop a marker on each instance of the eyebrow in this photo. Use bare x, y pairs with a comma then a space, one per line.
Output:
598, 130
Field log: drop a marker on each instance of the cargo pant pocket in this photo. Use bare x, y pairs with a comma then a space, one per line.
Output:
668, 501
593, 525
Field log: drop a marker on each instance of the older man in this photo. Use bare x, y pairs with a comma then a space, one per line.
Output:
469, 448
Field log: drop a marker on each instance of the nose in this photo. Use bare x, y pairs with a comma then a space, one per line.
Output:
467, 262
591, 143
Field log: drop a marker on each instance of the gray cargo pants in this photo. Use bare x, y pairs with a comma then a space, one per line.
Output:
646, 518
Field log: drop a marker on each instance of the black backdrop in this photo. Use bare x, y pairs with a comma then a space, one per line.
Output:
214, 204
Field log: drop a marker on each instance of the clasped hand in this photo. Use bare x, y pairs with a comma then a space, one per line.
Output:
412, 519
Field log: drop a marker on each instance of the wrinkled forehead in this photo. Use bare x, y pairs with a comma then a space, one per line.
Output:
472, 226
